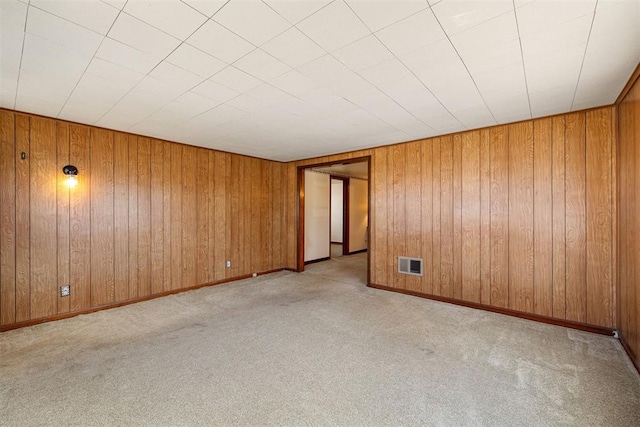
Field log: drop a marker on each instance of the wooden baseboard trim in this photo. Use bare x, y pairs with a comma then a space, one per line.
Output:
357, 252
61, 316
543, 319
337, 243
634, 359
313, 261
292, 270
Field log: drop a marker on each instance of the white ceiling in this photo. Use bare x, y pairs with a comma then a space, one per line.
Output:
290, 79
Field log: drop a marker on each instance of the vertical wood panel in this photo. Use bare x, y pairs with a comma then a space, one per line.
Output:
457, 216
121, 215
176, 216
427, 215
220, 220
8, 156
470, 215
446, 216
23, 222
133, 217
499, 216
379, 222
559, 217
413, 214
102, 227
399, 210
189, 209
62, 153
599, 243
543, 218
521, 216
157, 216
202, 216
485, 217
437, 211
80, 219
576, 253
43, 258
167, 212
144, 216
211, 190
235, 221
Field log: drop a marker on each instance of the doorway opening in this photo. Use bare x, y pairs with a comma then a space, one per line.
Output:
333, 211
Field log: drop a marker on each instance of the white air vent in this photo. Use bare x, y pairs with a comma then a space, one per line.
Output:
410, 265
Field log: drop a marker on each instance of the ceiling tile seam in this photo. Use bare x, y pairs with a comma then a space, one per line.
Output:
380, 90
524, 65
465, 67
407, 68
24, 36
196, 10
428, 6
75, 23
88, 65
584, 56
303, 19
156, 66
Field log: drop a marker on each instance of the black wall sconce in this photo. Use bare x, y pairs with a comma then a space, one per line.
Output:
72, 175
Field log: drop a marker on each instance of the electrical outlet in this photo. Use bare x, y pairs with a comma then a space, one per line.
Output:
229, 263
65, 290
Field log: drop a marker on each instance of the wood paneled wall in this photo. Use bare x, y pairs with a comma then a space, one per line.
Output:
629, 221
147, 217
519, 216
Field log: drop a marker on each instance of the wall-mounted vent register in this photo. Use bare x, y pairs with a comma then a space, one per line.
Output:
410, 265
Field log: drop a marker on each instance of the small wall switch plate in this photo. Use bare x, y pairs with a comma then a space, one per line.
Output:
228, 263
65, 290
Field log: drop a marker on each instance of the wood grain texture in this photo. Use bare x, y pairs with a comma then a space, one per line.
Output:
457, 216
144, 216
176, 216
485, 216
543, 218
413, 213
399, 161
62, 215
446, 217
221, 171
23, 222
437, 212
166, 214
43, 260
470, 227
80, 220
427, 216
559, 217
157, 217
8, 158
499, 216
202, 216
121, 215
133, 217
575, 189
102, 218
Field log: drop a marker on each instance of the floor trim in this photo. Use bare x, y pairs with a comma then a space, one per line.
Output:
566, 323
634, 359
61, 316
313, 261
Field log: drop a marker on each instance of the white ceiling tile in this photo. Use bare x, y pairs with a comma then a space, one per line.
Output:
501, 55
246, 103
363, 53
379, 14
176, 76
51, 59
118, 4
412, 33
296, 11
92, 14
61, 31
537, 16
218, 115
293, 48
195, 60
215, 91
459, 15
236, 79
171, 16
158, 89
334, 26
261, 65
220, 42
252, 20
191, 101
294, 83
121, 54
12, 20
142, 36
206, 7
487, 35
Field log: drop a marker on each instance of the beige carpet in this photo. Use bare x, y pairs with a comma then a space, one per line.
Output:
317, 348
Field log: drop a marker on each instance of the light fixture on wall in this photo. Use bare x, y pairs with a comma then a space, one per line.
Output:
72, 175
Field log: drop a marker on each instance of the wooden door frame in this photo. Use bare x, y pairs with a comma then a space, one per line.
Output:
300, 209
345, 212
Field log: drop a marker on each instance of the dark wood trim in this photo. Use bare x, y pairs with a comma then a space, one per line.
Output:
313, 261
336, 243
505, 311
128, 302
634, 359
358, 252
300, 220
632, 80
292, 270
